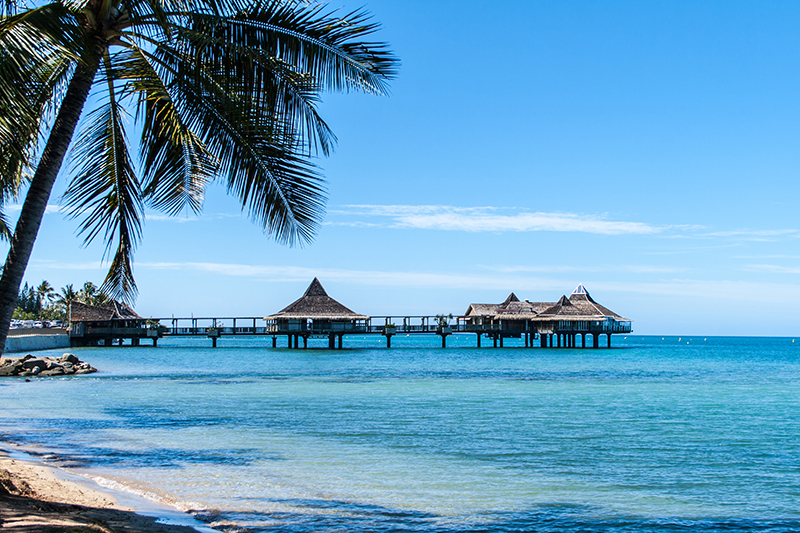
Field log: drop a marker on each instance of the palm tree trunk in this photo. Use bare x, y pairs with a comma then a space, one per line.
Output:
39, 192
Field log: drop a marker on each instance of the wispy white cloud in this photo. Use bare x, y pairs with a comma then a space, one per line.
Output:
16, 208
775, 269
493, 219
190, 217
556, 269
356, 224
52, 264
281, 274
768, 256
719, 290
545, 286
690, 250
167, 218
514, 219
523, 222
754, 235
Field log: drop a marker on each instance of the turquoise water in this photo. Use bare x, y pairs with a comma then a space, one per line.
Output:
655, 434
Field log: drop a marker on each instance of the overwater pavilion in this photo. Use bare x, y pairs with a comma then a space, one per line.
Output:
90, 325
315, 314
556, 324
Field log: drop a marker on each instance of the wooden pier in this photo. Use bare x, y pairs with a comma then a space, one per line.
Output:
297, 335
562, 324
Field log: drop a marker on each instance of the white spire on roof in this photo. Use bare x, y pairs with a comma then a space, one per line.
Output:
580, 289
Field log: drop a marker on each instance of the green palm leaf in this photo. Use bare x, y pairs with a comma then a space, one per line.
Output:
223, 90
34, 64
106, 193
176, 167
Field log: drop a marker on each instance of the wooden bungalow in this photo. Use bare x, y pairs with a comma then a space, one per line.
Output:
315, 314
580, 315
512, 318
555, 323
91, 325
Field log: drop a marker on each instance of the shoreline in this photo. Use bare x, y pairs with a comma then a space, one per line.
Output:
37, 497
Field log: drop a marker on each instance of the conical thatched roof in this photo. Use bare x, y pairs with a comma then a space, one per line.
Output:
511, 308
580, 297
563, 307
580, 304
315, 304
80, 312
511, 298
491, 309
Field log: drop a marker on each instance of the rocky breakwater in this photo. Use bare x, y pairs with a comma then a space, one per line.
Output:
66, 365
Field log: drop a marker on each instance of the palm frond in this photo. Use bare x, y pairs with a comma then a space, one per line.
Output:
38, 51
325, 46
119, 283
280, 189
35, 33
5, 228
176, 167
268, 84
106, 194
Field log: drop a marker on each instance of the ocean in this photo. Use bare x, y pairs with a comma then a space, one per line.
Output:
655, 434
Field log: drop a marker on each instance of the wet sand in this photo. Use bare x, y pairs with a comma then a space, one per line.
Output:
33, 499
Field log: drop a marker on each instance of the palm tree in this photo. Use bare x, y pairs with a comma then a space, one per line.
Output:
221, 89
87, 293
64, 298
90, 294
45, 293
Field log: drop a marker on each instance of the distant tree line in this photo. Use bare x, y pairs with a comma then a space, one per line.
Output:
44, 303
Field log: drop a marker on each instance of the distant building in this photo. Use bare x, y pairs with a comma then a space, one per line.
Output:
315, 313
563, 320
91, 325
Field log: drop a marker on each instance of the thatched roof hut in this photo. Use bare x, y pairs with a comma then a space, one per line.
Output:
579, 306
111, 310
511, 308
315, 304
581, 298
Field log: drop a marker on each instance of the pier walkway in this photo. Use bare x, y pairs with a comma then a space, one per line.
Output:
558, 324
297, 334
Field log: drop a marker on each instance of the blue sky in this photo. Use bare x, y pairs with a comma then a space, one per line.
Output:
649, 150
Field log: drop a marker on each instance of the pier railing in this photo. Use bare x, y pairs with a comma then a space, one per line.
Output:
218, 326
564, 332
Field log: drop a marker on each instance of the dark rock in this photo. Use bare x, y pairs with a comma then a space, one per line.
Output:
30, 364
10, 370
55, 371
69, 358
67, 364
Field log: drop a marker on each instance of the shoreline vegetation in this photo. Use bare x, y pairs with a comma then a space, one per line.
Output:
34, 499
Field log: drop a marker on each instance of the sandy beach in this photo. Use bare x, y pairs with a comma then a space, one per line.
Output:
33, 499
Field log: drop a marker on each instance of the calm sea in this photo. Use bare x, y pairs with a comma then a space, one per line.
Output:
656, 434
